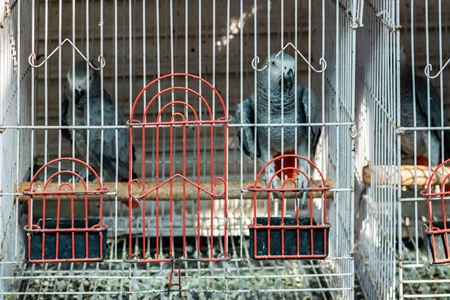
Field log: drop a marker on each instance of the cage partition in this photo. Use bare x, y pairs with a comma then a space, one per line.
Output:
78, 237
287, 237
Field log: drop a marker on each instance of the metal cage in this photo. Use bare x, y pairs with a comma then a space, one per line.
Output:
397, 155
176, 70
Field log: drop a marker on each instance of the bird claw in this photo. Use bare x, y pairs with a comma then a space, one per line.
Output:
274, 196
302, 183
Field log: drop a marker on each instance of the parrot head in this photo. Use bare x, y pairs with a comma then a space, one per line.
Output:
79, 82
281, 72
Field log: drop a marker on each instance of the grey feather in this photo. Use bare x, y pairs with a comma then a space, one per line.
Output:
277, 94
407, 113
248, 118
77, 85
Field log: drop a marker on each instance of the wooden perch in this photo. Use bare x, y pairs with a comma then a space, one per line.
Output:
234, 191
389, 175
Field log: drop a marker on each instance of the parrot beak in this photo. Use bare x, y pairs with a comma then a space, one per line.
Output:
289, 78
78, 96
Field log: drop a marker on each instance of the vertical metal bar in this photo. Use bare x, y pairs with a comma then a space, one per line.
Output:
186, 54
350, 250
60, 96
268, 86
441, 84
241, 98
336, 104
427, 58
46, 86
130, 50
213, 46
19, 133
73, 90
88, 106
255, 87
322, 159
276, 207
32, 100
116, 94
398, 94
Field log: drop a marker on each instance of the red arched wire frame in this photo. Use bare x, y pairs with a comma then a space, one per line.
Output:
179, 120
437, 232
84, 238
310, 238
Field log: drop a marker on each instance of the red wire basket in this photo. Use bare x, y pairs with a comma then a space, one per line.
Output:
437, 231
80, 237
288, 237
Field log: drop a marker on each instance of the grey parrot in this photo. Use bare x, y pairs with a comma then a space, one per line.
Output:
281, 70
407, 120
77, 86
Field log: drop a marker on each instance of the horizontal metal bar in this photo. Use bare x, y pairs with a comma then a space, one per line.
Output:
142, 276
244, 259
288, 227
426, 281
195, 290
162, 125
433, 199
65, 260
66, 230
294, 256
427, 296
401, 129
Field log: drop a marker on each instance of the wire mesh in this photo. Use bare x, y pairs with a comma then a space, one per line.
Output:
400, 147
378, 78
133, 43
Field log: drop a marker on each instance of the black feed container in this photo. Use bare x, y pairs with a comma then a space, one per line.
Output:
440, 245
65, 245
320, 238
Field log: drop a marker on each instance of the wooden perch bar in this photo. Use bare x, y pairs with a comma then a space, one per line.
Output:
389, 175
234, 191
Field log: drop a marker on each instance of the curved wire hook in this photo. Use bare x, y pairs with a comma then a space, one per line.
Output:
322, 61
32, 56
429, 68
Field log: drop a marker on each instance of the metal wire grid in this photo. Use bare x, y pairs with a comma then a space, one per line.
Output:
391, 260
338, 88
114, 279
330, 278
376, 228
426, 30
13, 110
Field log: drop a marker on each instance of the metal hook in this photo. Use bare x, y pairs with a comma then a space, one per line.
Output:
32, 57
322, 61
429, 68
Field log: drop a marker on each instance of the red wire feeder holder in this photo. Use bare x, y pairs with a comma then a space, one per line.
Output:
288, 237
79, 238
437, 231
